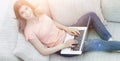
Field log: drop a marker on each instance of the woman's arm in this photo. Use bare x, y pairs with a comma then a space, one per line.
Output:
60, 26
47, 51
67, 29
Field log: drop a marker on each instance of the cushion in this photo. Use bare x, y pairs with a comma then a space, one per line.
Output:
8, 35
114, 30
4, 11
8, 40
10, 10
8, 56
27, 52
68, 12
89, 56
41, 4
111, 10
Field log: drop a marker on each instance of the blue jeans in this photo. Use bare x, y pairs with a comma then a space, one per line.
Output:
95, 44
101, 45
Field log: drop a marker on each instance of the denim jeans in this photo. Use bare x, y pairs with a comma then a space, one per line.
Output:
101, 45
95, 44
95, 22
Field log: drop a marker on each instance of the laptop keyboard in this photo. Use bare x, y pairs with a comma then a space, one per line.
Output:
78, 38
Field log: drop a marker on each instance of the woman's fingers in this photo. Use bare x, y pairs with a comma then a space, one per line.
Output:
74, 43
71, 43
76, 32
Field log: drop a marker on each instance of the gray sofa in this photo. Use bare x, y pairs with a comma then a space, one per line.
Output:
66, 12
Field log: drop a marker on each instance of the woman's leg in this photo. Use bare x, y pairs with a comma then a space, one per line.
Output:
101, 45
96, 23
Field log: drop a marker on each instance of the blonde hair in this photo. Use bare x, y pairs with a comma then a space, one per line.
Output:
22, 21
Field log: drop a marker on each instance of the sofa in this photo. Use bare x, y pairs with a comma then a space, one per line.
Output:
14, 47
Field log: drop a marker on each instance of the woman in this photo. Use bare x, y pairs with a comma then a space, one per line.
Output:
47, 35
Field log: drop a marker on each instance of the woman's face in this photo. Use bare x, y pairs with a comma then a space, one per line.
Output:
26, 12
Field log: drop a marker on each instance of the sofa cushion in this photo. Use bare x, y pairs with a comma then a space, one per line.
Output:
112, 27
101, 56
8, 56
8, 38
41, 4
10, 10
111, 10
114, 30
8, 35
68, 11
89, 56
3, 11
26, 51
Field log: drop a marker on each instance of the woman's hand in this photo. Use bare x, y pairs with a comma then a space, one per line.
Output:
72, 31
70, 43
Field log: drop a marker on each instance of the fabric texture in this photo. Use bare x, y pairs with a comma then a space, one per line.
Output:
8, 38
8, 35
46, 31
27, 52
68, 12
111, 10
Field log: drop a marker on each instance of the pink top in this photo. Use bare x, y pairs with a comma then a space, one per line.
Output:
46, 31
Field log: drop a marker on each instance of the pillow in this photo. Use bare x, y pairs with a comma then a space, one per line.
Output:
10, 10
111, 10
8, 40
4, 11
8, 56
68, 12
8, 35
27, 52
41, 4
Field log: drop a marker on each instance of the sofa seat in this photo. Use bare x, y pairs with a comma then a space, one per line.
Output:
8, 37
9, 33
90, 56
112, 27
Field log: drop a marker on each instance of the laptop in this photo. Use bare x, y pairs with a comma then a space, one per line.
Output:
81, 39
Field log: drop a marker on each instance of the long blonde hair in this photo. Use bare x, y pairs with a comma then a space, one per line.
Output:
22, 21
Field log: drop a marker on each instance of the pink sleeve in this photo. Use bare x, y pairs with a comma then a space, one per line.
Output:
29, 35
